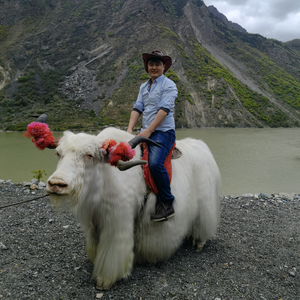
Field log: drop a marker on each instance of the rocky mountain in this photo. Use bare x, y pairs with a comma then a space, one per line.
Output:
80, 62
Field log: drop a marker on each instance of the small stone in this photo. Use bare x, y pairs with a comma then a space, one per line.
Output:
26, 192
51, 220
66, 226
248, 195
293, 274
2, 246
1, 181
77, 268
265, 196
99, 295
26, 183
8, 181
33, 186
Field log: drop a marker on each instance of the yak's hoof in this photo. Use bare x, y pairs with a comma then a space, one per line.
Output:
199, 245
101, 285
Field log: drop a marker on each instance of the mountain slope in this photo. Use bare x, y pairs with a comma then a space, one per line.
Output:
80, 62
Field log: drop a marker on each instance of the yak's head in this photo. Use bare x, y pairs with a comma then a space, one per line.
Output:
85, 161
77, 154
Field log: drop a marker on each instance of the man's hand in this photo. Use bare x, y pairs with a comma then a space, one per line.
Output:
145, 133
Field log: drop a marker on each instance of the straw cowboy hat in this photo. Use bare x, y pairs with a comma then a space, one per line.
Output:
157, 54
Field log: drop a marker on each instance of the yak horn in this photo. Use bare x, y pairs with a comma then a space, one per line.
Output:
42, 118
140, 139
125, 165
54, 146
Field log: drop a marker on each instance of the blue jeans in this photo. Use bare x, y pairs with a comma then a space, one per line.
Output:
157, 158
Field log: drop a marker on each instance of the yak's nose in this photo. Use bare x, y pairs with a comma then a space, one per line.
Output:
56, 185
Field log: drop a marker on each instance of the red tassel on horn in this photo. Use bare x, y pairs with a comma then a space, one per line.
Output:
116, 152
41, 135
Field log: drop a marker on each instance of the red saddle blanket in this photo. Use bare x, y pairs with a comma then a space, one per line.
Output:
147, 174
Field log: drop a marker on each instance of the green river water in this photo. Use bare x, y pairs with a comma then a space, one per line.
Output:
250, 160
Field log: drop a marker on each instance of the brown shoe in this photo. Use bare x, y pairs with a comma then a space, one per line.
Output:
163, 212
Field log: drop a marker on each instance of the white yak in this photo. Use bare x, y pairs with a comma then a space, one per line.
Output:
110, 205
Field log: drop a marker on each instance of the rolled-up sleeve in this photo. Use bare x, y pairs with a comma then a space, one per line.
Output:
168, 96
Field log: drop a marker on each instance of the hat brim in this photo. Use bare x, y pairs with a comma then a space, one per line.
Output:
167, 60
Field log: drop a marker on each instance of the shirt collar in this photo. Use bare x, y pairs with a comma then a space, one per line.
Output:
160, 78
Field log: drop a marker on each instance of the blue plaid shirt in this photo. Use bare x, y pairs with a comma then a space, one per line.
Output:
161, 95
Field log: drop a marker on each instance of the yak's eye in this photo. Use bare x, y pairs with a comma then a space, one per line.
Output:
57, 154
89, 156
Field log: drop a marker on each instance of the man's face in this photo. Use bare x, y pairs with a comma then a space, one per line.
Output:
155, 69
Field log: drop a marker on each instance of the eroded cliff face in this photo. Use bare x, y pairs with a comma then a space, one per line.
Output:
203, 31
86, 56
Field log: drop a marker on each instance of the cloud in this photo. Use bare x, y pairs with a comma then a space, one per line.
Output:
279, 19
282, 10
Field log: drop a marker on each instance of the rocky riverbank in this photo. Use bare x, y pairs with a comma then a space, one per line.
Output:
255, 255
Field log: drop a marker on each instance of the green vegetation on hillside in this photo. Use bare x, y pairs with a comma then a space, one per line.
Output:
254, 51
62, 115
117, 109
3, 31
36, 92
280, 82
202, 66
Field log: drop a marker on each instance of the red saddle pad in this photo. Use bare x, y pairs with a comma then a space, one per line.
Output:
147, 174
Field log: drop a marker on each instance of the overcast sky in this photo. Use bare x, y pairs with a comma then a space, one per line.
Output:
278, 19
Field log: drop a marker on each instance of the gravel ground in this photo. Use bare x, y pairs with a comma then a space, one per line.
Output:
255, 255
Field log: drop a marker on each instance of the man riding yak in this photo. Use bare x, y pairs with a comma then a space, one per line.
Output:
156, 101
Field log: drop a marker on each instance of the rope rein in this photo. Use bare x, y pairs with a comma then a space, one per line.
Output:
8, 205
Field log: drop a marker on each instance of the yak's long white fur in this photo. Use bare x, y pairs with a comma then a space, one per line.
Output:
109, 203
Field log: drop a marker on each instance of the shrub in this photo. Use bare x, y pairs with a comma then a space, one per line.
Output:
22, 79
38, 174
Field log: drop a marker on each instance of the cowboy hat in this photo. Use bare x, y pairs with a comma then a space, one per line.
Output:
157, 54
